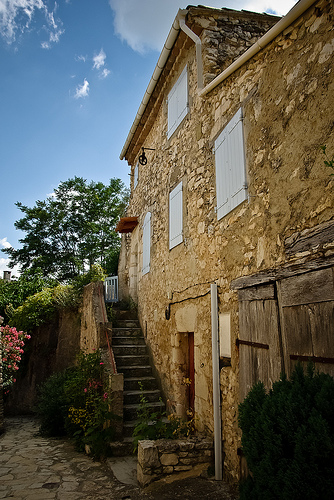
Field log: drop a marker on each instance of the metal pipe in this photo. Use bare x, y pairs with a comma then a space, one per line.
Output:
216, 385
172, 35
198, 43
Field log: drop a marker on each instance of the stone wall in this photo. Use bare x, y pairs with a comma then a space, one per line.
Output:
157, 459
54, 347
287, 95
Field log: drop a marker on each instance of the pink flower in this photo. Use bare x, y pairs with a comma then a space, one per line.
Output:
85, 390
101, 363
105, 395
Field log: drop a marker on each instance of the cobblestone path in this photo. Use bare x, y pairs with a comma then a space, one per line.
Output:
37, 468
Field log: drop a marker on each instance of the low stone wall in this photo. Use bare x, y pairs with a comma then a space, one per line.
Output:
160, 458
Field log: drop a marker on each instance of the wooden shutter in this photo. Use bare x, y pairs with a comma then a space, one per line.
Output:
175, 216
178, 103
307, 318
146, 243
230, 166
135, 176
259, 341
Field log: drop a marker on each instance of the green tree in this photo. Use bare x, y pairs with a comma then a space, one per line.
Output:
13, 293
71, 230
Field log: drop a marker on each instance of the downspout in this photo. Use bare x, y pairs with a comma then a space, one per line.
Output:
217, 421
172, 35
179, 23
198, 43
291, 16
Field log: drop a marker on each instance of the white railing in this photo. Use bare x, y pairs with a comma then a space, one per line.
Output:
111, 289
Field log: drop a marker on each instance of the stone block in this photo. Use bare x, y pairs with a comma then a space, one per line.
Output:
169, 459
143, 478
169, 469
204, 444
186, 445
148, 454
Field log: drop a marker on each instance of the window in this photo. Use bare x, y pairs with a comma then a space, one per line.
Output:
230, 167
146, 243
135, 176
175, 216
178, 103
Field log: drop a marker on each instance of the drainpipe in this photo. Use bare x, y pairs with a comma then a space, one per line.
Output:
172, 36
216, 385
198, 43
291, 16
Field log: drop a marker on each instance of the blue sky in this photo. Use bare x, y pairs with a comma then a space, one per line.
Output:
72, 76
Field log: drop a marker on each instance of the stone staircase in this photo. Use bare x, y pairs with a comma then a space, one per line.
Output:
131, 356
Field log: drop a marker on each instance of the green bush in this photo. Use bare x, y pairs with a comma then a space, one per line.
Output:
156, 424
13, 293
52, 405
43, 305
77, 402
288, 438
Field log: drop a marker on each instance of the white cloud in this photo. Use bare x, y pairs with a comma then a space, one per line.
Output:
16, 17
4, 266
80, 58
4, 243
104, 73
99, 60
145, 25
82, 90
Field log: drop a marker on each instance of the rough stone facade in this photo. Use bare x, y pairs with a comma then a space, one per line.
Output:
157, 459
286, 92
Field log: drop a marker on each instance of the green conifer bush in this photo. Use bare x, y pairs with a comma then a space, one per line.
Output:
288, 438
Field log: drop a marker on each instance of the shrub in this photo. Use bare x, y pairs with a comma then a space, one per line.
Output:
52, 405
11, 350
288, 438
156, 424
78, 402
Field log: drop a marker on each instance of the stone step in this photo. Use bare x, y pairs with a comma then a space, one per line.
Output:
147, 383
126, 332
130, 410
135, 360
133, 397
116, 341
129, 350
127, 323
135, 371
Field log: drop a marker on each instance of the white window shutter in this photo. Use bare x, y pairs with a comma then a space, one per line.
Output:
230, 166
175, 216
178, 102
135, 176
146, 243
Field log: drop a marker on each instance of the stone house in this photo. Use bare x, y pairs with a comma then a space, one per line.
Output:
230, 225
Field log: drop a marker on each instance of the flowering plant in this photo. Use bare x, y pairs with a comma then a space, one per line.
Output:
11, 349
88, 395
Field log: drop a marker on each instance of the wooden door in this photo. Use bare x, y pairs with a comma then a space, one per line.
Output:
306, 304
259, 340
285, 322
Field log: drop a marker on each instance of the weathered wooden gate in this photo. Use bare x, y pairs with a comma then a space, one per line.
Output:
287, 319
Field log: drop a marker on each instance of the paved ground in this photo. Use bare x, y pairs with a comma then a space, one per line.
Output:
37, 468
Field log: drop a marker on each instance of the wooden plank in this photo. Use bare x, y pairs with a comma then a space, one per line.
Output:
260, 292
310, 239
258, 323
309, 288
283, 272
